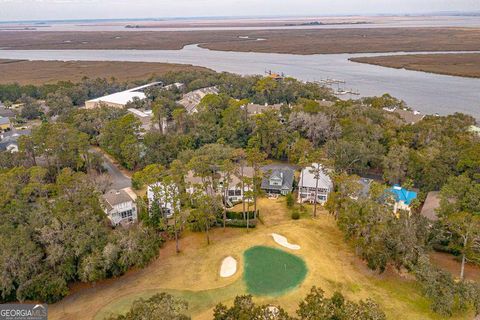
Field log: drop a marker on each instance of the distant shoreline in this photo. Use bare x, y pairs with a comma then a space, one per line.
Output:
451, 64
300, 42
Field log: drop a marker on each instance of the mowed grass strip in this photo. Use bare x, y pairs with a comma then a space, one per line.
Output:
271, 271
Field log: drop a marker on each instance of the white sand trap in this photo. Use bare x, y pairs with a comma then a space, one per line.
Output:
281, 240
228, 268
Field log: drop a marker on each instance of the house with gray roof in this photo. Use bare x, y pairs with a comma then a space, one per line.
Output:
277, 179
120, 206
9, 140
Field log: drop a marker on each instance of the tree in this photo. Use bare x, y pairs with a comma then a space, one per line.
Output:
119, 137
58, 104
256, 159
31, 108
317, 306
269, 135
317, 170
395, 164
244, 308
148, 175
176, 190
240, 158
228, 170
205, 212
160, 306
465, 229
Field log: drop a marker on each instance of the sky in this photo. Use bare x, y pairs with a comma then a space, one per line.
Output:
111, 9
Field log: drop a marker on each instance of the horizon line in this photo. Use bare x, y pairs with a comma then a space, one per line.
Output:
220, 17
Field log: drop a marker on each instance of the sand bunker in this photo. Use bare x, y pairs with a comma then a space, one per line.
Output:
228, 268
281, 240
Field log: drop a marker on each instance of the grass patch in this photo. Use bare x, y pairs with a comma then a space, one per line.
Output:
197, 300
272, 272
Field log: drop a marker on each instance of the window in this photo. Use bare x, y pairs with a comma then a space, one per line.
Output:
127, 214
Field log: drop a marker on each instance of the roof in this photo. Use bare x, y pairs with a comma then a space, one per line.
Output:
260, 108
11, 137
325, 103
409, 116
365, 184
248, 172
283, 172
402, 194
431, 204
116, 197
474, 129
192, 99
235, 178
308, 179
4, 120
4, 112
124, 97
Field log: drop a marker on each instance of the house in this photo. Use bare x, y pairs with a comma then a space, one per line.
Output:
408, 116
145, 117
9, 140
231, 190
432, 203
364, 190
474, 129
6, 112
254, 109
192, 99
234, 192
120, 206
277, 179
121, 99
4, 124
162, 194
402, 197
314, 180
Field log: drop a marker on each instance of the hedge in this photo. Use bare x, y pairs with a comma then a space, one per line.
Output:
239, 215
238, 223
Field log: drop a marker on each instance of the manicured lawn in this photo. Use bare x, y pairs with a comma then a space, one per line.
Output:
270, 271
194, 273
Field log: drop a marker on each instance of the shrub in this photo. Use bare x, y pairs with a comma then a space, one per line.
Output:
290, 200
295, 215
238, 223
239, 215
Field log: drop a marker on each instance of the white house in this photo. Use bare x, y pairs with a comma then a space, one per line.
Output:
121, 99
231, 190
314, 180
164, 195
120, 206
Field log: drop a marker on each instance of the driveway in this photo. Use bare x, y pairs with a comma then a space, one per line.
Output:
119, 179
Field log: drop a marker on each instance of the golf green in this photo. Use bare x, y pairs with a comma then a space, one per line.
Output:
272, 272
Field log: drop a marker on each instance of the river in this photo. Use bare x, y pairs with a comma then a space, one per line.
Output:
428, 93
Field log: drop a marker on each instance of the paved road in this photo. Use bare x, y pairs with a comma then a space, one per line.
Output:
119, 179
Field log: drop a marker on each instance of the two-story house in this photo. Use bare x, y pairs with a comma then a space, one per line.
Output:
314, 180
166, 196
120, 206
277, 179
228, 187
403, 198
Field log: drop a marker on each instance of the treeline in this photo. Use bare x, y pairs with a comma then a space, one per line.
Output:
315, 306
53, 233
